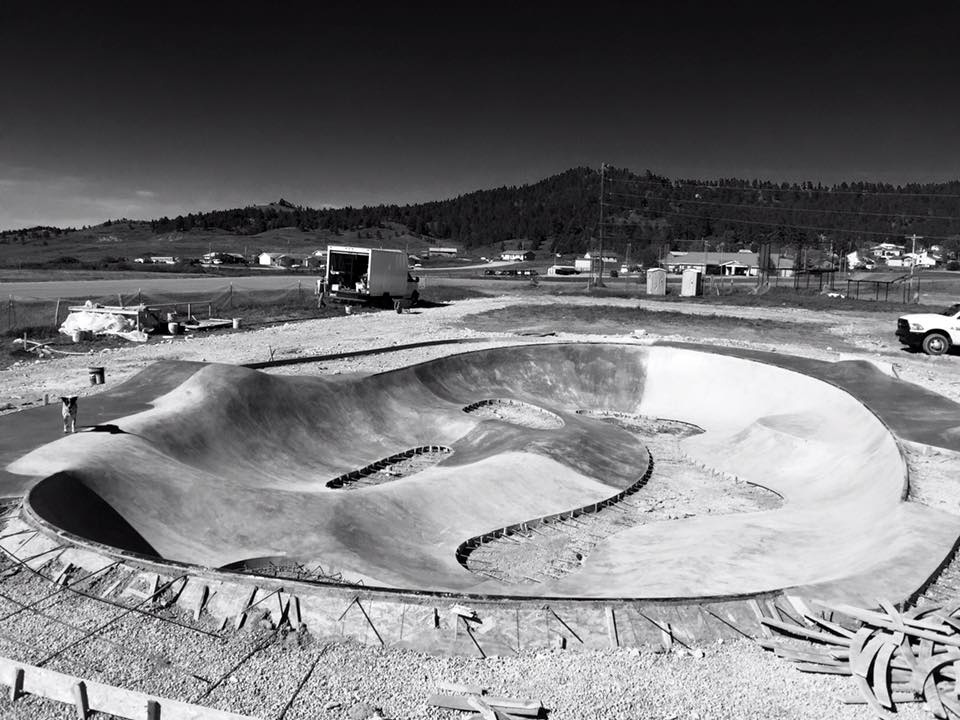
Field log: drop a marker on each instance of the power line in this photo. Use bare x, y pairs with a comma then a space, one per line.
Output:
674, 184
790, 209
768, 224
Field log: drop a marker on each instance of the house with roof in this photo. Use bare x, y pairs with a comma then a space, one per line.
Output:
590, 262
517, 255
887, 250
742, 263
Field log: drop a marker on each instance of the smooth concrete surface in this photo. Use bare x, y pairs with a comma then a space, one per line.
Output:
231, 464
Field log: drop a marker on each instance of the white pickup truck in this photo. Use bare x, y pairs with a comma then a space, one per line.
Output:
934, 333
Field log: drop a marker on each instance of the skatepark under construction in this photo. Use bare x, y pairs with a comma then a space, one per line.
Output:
407, 487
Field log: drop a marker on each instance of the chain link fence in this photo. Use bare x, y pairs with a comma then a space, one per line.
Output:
42, 316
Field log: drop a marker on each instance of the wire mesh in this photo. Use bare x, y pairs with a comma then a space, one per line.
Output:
38, 315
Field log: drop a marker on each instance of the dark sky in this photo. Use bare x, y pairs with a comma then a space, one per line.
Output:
111, 109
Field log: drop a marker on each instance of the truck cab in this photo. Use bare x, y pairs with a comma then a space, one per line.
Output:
934, 333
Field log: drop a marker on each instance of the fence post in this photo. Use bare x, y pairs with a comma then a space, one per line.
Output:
299, 294
56, 314
231, 295
139, 297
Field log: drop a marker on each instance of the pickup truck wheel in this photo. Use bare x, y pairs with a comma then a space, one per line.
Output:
935, 344
414, 297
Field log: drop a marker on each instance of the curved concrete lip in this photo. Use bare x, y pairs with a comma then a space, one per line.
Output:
232, 464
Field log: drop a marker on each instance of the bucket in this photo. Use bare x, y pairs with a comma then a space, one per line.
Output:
347, 309
76, 335
236, 323
97, 375
174, 328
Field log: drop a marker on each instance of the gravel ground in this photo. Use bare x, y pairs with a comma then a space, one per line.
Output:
257, 671
677, 489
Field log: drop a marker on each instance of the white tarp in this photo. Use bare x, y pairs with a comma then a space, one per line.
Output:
100, 323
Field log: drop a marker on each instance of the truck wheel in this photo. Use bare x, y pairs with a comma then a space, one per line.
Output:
935, 344
414, 298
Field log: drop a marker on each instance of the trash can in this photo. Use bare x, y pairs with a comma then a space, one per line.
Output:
174, 328
236, 323
97, 375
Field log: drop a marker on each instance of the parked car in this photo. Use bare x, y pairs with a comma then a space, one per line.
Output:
934, 333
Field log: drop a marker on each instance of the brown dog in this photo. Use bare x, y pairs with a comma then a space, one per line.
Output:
69, 412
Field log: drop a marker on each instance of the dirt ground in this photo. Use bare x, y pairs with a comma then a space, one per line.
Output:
507, 319
736, 680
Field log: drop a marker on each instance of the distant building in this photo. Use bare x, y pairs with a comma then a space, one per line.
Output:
887, 250
611, 259
920, 259
727, 263
222, 258
856, 262
562, 270
590, 262
442, 251
517, 255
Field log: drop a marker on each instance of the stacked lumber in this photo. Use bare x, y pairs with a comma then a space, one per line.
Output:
893, 656
473, 698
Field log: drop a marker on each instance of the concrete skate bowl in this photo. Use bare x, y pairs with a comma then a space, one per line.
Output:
233, 468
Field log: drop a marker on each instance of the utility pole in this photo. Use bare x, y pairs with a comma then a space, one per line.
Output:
913, 237
599, 282
913, 265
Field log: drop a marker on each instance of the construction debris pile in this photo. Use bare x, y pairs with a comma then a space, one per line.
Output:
894, 656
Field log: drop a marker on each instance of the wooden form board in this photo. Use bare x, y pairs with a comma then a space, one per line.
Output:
32, 680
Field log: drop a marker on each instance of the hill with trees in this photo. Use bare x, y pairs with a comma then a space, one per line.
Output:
561, 214
643, 212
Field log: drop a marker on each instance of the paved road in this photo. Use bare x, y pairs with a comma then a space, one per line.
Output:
201, 286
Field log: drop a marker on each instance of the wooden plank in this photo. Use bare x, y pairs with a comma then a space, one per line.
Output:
612, 626
827, 669
486, 712
861, 662
459, 688
896, 697
16, 684
882, 620
103, 698
795, 655
804, 632
829, 626
80, 701
871, 699
460, 702
881, 670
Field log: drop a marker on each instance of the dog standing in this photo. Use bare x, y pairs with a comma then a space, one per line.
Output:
68, 410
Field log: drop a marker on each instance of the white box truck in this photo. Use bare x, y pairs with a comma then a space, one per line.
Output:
370, 275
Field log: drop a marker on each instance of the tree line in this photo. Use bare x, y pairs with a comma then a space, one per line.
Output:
644, 213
